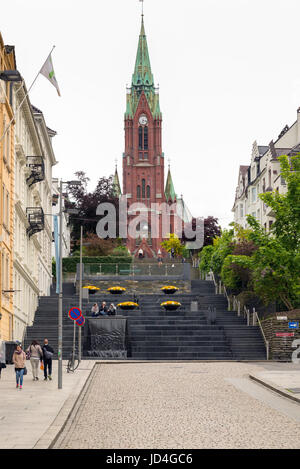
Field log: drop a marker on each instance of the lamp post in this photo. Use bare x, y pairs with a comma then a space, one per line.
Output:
80, 292
60, 294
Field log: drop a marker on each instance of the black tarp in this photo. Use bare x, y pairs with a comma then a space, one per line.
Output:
105, 337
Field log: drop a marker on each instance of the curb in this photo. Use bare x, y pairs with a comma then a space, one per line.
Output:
48, 439
273, 387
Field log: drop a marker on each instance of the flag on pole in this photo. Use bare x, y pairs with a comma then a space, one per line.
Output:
48, 71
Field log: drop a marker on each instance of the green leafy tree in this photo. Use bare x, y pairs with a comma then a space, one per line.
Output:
173, 243
286, 207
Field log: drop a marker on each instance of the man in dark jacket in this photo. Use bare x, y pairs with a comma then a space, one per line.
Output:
47, 359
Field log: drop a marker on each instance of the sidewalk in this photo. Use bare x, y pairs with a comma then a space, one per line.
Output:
31, 418
285, 382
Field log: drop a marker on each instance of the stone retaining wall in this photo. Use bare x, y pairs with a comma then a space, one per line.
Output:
141, 286
281, 347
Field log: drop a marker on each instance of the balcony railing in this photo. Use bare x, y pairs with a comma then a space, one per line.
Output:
37, 167
36, 220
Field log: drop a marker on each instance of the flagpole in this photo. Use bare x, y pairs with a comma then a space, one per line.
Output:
21, 104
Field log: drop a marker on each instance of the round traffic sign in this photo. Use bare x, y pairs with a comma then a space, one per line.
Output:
75, 313
80, 322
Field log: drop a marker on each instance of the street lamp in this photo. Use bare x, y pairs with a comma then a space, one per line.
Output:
60, 294
11, 75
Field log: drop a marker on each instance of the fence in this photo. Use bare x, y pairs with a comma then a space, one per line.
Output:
132, 270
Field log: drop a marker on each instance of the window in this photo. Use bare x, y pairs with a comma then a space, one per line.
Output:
143, 188
148, 192
146, 138
140, 138
3, 205
241, 211
138, 192
253, 192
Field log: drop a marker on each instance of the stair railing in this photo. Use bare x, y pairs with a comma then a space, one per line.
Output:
215, 283
227, 297
267, 343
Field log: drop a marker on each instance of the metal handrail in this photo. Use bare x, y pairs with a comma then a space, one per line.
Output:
227, 297
267, 344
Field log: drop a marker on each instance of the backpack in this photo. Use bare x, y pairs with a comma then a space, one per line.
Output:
48, 355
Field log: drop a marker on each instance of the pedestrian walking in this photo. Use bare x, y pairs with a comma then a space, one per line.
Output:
19, 360
35, 354
2, 356
48, 353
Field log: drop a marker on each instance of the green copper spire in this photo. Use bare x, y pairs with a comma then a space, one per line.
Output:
169, 190
116, 185
142, 80
142, 73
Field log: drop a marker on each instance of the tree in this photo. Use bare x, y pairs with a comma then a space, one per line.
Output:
87, 203
286, 207
212, 230
173, 243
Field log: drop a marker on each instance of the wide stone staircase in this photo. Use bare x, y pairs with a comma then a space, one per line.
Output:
155, 334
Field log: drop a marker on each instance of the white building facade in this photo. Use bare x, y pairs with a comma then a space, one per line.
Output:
34, 159
263, 175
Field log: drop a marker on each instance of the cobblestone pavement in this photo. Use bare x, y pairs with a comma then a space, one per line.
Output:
180, 406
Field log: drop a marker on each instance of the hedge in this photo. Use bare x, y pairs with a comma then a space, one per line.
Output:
70, 263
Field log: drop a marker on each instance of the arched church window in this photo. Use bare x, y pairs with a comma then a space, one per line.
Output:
138, 192
146, 138
140, 138
148, 192
143, 188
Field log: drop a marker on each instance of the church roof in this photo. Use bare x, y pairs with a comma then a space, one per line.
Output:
142, 80
142, 72
116, 185
169, 190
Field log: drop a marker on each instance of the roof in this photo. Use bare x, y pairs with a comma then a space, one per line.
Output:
262, 149
116, 185
169, 190
142, 80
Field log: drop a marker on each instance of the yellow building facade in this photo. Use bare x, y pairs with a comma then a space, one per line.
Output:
7, 62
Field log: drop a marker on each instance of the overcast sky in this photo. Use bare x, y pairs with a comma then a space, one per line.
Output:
228, 70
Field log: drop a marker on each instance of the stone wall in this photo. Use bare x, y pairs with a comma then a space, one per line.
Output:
281, 347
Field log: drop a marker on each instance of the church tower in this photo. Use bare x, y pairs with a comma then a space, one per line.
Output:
143, 159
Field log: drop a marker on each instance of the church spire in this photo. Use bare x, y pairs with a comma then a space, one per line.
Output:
169, 190
116, 184
142, 80
142, 76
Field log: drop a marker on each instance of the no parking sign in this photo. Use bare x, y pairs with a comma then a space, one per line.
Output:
76, 315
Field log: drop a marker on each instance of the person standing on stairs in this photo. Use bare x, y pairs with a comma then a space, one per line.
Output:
48, 353
35, 354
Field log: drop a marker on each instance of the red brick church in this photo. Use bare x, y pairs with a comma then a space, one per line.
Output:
143, 158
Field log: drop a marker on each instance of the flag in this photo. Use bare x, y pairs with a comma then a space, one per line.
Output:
48, 71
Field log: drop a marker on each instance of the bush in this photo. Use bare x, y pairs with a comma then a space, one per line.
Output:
70, 263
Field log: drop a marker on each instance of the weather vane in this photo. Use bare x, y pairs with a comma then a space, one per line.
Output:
142, 7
